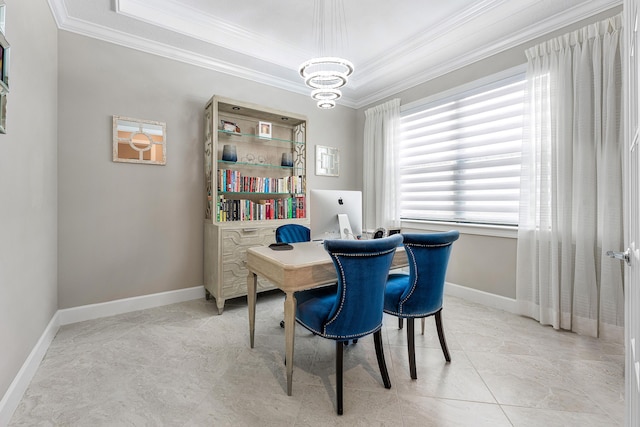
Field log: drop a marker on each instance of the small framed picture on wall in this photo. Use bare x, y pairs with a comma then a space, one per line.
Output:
3, 112
327, 161
2, 8
4, 63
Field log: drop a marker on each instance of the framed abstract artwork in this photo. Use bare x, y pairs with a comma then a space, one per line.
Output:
327, 161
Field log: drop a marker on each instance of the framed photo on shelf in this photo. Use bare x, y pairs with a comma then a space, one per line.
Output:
230, 126
264, 129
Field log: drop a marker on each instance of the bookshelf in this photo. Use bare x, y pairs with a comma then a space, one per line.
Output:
255, 181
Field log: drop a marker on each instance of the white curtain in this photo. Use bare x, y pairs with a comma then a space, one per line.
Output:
381, 131
571, 187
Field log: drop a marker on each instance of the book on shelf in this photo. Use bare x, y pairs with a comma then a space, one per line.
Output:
269, 209
232, 181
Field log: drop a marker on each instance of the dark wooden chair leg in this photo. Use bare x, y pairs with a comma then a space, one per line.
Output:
411, 340
399, 322
377, 340
443, 342
339, 351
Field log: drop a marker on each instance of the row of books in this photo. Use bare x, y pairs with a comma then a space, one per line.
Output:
247, 210
233, 181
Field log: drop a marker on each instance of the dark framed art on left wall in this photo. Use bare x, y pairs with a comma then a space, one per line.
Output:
5, 49
4, 62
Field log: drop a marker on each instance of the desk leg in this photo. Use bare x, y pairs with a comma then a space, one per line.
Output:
252, 284
289, 333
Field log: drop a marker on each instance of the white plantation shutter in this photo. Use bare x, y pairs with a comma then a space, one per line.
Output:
460, 156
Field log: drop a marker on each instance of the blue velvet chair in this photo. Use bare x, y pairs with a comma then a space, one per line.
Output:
292, 233
353, 307
419, 294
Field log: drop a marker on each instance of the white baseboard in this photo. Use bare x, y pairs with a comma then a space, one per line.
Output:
481, 297
12, 397
126, 305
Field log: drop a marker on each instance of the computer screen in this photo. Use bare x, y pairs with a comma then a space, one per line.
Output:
326, 206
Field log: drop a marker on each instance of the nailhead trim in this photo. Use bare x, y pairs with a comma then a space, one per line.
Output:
335, 256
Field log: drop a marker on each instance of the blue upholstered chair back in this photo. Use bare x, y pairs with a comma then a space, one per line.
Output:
428, 256
362, 267
292, 233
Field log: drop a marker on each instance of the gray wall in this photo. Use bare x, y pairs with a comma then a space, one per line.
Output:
484, 263
28, 191
127, 229
475, 259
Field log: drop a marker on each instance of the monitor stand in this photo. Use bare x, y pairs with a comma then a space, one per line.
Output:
345, 227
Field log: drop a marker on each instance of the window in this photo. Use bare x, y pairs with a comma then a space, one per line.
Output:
459, 157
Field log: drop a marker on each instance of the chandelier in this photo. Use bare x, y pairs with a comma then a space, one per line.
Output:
327, 73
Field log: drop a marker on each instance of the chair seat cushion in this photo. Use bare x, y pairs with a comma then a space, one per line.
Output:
396, 286
314, 307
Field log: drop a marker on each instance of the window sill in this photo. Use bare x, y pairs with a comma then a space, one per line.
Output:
510, 232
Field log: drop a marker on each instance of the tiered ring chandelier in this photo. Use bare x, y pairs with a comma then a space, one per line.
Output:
326, 74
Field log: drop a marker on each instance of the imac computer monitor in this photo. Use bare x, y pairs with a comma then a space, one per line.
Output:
335, 214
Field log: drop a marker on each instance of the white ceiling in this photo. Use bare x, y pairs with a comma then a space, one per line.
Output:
392, 48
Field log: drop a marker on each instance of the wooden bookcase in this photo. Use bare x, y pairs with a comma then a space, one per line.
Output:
255, 181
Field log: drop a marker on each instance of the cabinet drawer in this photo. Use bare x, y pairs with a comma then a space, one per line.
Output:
234, 253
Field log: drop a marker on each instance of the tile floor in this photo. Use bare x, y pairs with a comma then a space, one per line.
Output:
183, 365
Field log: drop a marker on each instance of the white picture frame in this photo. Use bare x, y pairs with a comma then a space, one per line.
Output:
327, 161
139, 141
2, 16
264, 129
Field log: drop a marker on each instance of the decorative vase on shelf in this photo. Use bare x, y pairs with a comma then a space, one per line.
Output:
287, 160
229, 153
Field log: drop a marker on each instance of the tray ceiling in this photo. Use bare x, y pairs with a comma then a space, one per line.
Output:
392, 48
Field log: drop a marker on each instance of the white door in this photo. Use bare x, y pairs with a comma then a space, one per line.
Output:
632, 211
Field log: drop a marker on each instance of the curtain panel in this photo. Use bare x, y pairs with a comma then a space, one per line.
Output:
571, 184
380, 183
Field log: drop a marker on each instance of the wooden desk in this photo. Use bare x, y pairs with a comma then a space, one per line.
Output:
306, 266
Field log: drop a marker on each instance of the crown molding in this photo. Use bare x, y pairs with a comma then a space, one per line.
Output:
109, 35
194, 23
59, 11
527, 34
388, 64
411, 47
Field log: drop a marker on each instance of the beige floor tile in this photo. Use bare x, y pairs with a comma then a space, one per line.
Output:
183, 365
434, 412
529, 417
